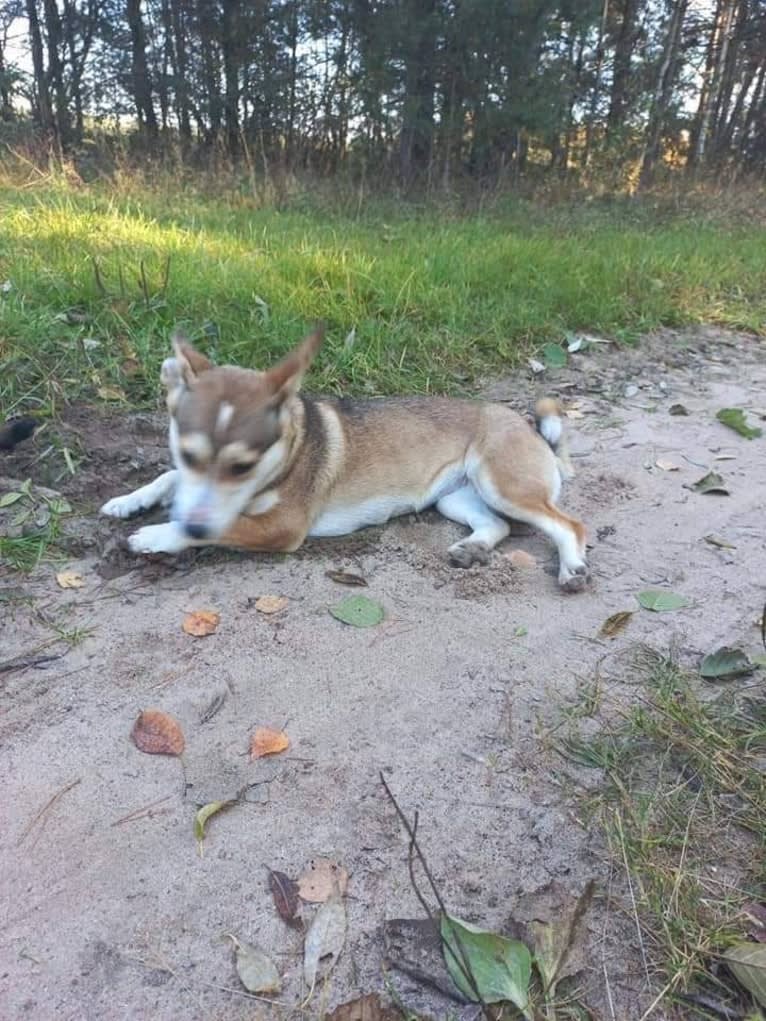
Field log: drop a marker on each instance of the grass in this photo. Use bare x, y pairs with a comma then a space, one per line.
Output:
682, 808
417, 299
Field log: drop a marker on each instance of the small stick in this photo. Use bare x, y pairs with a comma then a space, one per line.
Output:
138, 812
22, 664
165, 278
144, 285
465, 966
48, 805
99, 281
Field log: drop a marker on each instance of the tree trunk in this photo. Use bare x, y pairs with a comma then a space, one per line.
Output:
594, 97
142, 86
230, 47
416, 136
56, 84
662, 93
42, 93
179, 71
621, 73
210, 69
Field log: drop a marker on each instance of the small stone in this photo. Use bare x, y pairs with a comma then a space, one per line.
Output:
522, 560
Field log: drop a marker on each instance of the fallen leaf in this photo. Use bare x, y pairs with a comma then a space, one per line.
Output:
716, 540
710, 483
111, 393
725, 663
271, 604
555, 940
202, 816
358, 611
630, 390
661, 600
613, 625
666, 466
747, 962
130, 367
344, 578
8, 499
535, 366
266, 741
574, 413
201, 623
554, 356
321, 880
522, 560
725, 457
158, 733
70, 579
520, 631
501, 968
678, 409
325, 938
285, 893
734, 418
755, 914
364, 1008
257, 972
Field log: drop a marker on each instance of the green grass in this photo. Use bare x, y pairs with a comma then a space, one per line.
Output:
682, 808
436, 299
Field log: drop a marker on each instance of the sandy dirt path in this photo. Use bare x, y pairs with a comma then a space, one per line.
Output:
451, 697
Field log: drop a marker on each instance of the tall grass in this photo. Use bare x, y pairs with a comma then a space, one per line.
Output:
416, 299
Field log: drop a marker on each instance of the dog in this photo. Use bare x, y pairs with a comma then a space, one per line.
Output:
260, 467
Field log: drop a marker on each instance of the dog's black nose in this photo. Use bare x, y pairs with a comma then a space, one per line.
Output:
195, 531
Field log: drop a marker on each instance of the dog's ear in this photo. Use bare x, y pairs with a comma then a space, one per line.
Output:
284, 378
187, 364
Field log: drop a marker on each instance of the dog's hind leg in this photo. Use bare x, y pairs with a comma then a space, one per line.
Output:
467, 508
528, 497
160, 491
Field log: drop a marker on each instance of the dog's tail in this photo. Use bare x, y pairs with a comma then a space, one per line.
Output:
549, 422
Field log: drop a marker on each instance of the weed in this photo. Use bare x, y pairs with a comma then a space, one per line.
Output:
682, 807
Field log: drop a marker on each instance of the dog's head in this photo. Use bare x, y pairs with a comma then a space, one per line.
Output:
230, 431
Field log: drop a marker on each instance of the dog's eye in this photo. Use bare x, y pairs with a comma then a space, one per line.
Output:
241, 467
190, 460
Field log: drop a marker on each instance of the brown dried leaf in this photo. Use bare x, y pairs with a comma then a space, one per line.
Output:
285, 893
755, 913
344, 578
325, 939
613, 625
521, 560
266, 741
158, 733
69, 579
365, 1008
201, 623
271, 604
321, 879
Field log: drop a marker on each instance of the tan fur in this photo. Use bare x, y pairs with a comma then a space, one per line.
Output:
279, 465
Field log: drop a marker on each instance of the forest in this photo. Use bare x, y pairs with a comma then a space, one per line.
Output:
434, 93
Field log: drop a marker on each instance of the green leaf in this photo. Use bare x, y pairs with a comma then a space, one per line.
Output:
735, 419
554, 356
501, 968
60, 506
8, 499
358, 611
555, 940
725, 663
660, 600
201, 818
710, 483
747, 962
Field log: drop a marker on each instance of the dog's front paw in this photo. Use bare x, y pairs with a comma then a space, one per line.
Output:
574, 579
165, 538
122, 506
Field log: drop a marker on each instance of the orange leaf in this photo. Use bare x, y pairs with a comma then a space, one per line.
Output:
267, 742
201, 623
158, 733
522, 560
271, 604
321, 880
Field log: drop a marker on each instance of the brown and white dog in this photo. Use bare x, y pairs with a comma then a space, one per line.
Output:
260, 467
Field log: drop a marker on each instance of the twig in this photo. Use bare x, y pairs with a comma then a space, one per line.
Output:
22, 664
144, 285
46, 807
414, 849
99, 281
165, 278
607, 984
137, 813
